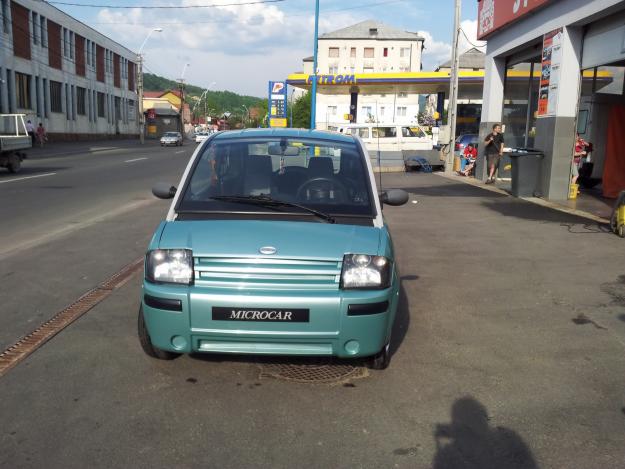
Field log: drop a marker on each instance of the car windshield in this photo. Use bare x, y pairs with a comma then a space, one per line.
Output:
323, 175
170, 134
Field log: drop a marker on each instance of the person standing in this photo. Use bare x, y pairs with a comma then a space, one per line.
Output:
41, 134
580, 152
493, 151
30, 129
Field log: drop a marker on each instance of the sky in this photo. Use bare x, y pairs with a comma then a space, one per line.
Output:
241, 46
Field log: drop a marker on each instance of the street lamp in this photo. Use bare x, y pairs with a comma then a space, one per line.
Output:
140, 85
313, 105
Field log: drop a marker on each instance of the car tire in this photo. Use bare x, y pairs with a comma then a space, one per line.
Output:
146, 342
15, 163
381, 360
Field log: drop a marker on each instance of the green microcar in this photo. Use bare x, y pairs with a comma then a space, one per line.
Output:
274, 244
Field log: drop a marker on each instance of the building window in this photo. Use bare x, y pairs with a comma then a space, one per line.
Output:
369, 53
382, 109
404, 68
72, 44
401, 111
352, 69
56, 99
118, 108
22, 90
366, 111
385, 52
131, 110
332, 110
333, 52
404, 52
352, 52
367, 70
333, 69
5, 16
101, 105
43, 29
81, 105
36, 31
402, 94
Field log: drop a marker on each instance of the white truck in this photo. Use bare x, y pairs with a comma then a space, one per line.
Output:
14, 139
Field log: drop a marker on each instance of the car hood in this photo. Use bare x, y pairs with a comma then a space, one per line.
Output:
293, 240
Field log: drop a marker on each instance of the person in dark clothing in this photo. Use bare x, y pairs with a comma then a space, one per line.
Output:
493, 151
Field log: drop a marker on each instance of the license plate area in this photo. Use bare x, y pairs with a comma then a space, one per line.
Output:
286, 315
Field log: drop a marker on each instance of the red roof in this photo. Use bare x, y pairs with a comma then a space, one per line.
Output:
152, 94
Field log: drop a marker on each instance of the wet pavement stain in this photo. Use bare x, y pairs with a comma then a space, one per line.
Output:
191, 380
616, 290
582, 319
349, 385
406, 451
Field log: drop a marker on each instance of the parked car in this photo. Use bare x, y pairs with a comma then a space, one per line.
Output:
274, 244
171, 138
463, 140
201, 136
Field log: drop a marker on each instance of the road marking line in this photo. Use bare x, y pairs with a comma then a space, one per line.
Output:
136, 159
178, 152
27, 177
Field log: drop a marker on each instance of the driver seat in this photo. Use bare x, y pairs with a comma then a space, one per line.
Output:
320, 167
258, 172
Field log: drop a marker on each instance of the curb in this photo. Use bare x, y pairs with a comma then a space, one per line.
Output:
534, 200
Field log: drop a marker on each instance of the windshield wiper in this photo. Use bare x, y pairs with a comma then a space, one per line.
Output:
267, 201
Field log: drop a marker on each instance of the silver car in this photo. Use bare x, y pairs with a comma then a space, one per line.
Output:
171, 138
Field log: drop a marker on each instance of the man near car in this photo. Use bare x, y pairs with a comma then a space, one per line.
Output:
493, 151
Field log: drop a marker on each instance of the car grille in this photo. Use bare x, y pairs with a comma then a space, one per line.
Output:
267, 273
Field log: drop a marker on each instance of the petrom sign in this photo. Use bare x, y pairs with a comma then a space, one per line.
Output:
333, 79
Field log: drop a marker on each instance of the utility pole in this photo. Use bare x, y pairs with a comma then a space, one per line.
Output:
313, 101
140, 93
452, 108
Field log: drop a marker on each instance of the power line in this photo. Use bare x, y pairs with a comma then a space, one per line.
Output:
469, 40
334, 10
165, 7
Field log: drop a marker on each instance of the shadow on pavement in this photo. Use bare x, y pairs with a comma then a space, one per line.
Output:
470, 442
529, 211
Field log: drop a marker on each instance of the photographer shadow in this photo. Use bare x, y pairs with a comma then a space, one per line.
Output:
470, 442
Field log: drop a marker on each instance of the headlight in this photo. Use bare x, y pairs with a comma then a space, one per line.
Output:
169, 266
364, 271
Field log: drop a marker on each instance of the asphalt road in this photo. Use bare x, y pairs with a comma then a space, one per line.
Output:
69, 222
509, 352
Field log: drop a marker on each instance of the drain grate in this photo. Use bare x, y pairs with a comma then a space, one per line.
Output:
31, 342
313, 372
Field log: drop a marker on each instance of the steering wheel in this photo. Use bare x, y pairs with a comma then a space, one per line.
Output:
322, 191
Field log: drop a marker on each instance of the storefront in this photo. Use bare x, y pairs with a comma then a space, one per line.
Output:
554, 67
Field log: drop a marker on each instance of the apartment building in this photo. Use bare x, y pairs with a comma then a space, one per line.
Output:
58, 71
369, 60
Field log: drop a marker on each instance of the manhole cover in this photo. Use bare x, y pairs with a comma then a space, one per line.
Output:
312, 372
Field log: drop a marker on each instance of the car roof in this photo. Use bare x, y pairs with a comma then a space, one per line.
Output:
284, 132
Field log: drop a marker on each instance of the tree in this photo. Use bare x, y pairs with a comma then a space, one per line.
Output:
301, 111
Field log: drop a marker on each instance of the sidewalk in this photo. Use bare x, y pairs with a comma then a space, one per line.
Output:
55, 149
588, 207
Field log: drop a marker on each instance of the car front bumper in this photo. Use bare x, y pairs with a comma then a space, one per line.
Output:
179, 319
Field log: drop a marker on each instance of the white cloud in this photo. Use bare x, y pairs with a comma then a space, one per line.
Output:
470, 29
435, 52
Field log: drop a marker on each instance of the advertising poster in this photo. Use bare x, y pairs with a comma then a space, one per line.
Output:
495, 14
277, 104
550, 73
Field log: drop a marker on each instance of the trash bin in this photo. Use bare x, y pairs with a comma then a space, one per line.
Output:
526, 170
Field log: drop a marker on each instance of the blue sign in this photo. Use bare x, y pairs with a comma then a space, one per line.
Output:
277, 104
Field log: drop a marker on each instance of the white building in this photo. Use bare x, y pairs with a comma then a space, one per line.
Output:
366, 48
77, 82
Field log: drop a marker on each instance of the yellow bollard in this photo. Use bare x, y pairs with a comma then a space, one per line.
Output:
573, 189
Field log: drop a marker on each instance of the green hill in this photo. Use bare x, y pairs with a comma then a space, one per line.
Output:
220, 101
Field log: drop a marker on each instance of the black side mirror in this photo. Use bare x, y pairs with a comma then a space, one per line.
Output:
394, 197
163, 190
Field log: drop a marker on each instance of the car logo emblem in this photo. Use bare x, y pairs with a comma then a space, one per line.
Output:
268, 250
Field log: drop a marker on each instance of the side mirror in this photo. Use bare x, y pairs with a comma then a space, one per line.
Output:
163, 190
394, 197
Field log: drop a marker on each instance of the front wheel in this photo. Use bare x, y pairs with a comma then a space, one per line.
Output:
146, 342
381, 360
